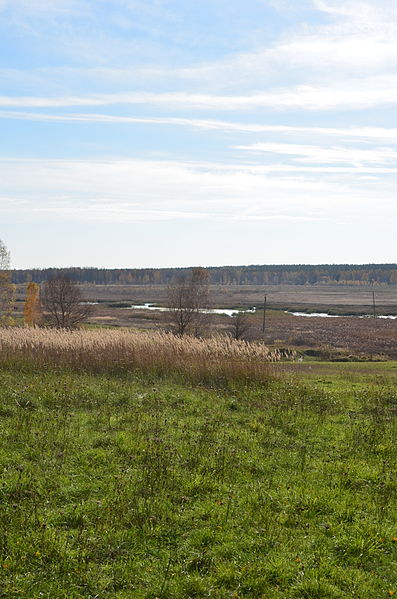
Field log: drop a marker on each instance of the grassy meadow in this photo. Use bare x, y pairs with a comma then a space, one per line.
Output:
141, 481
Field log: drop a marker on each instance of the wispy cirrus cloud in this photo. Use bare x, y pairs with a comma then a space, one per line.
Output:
379, 91
358, 10
293, 113
347, 133
137, 190
327, 155
347, 63
359, 39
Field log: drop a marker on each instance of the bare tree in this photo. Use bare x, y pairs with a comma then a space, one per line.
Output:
7, 289
241, 325
188, 298
63, 303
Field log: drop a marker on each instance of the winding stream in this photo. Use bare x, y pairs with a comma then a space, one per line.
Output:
226, 311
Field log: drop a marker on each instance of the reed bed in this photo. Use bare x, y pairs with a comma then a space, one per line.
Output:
125, 350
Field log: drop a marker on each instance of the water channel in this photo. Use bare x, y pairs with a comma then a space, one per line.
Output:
227, 311
232, 312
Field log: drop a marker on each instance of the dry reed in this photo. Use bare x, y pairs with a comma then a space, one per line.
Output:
151, 352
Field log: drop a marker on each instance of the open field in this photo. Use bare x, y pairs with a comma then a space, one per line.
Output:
133, 487
314, 298
366, 337
353, 299
342, 375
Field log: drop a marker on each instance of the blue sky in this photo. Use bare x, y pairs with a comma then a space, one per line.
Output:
157, 133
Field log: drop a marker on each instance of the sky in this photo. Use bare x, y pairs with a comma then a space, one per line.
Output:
154, 133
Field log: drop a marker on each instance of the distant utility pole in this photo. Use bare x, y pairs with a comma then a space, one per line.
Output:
373, 304
264, 314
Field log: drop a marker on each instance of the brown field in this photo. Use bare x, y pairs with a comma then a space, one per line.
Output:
353, 299
350, 299
366, 337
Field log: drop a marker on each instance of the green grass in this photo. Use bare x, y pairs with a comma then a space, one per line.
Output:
124, 487
342, 376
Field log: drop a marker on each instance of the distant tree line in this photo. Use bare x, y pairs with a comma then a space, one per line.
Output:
298, 274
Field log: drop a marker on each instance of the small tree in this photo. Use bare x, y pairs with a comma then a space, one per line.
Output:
4, 257
32, 309
187, 299
7, 289
63, 303
241, 325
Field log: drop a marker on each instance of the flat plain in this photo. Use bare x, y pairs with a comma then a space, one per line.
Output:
363, 337
136, 465
345, 298
352, 298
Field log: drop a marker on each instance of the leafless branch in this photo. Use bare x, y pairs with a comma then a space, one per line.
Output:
64, 304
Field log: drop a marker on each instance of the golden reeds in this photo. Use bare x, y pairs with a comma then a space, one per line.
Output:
153, 352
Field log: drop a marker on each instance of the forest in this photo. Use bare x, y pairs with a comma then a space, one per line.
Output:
291, 274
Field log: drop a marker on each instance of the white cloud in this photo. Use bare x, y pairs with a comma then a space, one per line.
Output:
347, 63
347, 133
326, 155
359, 41
358, 10
344, 53
373, 92
138, 190
342, 56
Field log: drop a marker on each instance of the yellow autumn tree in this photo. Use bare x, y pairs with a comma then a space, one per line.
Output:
7, 289
32, 308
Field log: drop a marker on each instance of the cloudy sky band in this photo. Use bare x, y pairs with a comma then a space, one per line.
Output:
304, 97
187, 120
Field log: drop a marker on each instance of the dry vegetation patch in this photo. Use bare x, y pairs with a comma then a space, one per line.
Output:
366, 336
156, 352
